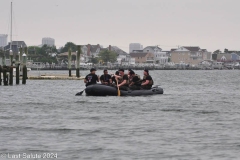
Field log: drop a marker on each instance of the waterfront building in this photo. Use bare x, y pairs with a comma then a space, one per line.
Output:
48, 41
190, 55
3, 40
142, 57
135, 46
15, 46
160, 56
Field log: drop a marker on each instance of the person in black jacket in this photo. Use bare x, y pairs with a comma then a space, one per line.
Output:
91, 78
106, 78
135, 82
147, 80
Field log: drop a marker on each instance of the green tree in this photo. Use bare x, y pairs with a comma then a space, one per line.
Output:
69, 45
225, 50
94, 60
107, 56
217, 52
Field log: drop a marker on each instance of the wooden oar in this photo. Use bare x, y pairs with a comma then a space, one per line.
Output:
119, 94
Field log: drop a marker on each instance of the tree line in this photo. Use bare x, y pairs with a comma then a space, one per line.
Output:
42, 54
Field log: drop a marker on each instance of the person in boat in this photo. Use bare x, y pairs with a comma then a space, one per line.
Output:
147, 81
135, 82
91, 78
114, 78
129, 75
123, 80
106, 79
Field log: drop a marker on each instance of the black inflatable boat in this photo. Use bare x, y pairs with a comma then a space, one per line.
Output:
103, 90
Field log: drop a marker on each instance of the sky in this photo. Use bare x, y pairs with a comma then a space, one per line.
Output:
209, 24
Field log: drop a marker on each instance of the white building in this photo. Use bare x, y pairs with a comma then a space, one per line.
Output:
160, 57
48, 41
3, 40
135, 46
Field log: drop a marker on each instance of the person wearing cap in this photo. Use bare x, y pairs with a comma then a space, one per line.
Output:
91, 78
106, 78
135, 83
123, 80
147, 80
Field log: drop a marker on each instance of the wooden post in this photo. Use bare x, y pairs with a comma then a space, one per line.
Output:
70, 62
24, 77
78, 61
5, 77
0, 75
11, 75
17, 73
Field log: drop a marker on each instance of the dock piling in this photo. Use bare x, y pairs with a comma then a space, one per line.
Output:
0, 75
24, 76
78, 61
70, 62
5, 77
17, 73
11, 75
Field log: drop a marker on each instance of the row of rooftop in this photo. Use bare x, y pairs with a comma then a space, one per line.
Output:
191, 55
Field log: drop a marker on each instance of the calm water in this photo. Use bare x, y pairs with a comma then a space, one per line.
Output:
197, 117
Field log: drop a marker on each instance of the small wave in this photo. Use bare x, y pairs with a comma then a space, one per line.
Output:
91, 102
174, 110
60, 130
207, 112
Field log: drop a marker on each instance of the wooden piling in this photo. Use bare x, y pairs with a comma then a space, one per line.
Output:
17, 73
11, 75
5, 77
24, 76
70, 62
78, 60
0, 75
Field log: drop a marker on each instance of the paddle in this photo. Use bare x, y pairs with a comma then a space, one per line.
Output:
80, 93
119, 94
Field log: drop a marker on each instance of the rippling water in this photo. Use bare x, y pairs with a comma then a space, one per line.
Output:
197, 117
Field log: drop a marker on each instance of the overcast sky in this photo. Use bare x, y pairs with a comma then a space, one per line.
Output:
210, 24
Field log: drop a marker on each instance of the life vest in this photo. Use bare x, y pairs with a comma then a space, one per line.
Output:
150, 82
120, 80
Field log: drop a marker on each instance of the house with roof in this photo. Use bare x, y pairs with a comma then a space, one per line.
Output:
191, 55
228, 57
160, 56
90, 51
15, 46
123, 58
142, 57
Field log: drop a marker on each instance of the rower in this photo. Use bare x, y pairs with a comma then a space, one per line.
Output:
106, 78
135, 83
147, 80
91, 78
114, 79
122, 80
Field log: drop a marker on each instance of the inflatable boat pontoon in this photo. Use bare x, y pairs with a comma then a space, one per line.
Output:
103, 90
